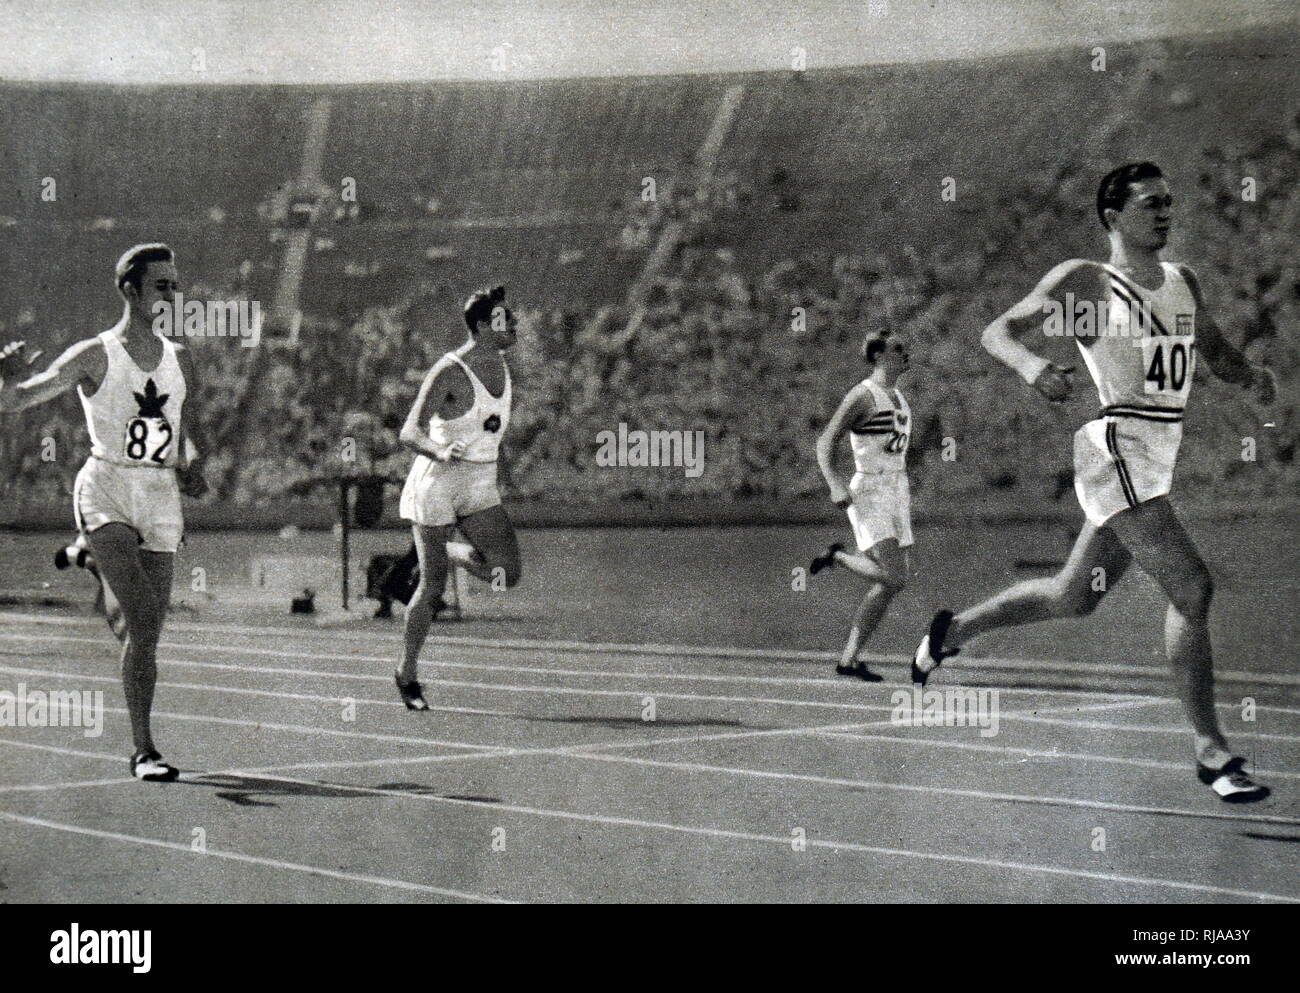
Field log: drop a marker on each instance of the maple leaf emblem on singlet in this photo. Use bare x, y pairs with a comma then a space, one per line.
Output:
151, 401
493, 424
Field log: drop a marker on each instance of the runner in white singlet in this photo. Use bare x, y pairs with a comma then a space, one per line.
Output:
878, 422
455, 428
1141, 359
135, 387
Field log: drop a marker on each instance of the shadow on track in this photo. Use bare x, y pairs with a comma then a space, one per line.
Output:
244, 791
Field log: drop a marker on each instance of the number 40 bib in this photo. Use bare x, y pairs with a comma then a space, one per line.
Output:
1169, 363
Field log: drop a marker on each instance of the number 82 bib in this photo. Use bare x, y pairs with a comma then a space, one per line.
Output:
147, 440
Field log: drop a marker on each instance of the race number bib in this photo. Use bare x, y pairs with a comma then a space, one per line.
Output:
1169, 363
148, 440
896, 444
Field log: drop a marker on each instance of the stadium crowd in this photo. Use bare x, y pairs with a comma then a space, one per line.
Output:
757, 361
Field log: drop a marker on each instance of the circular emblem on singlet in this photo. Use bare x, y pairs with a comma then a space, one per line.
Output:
493, 424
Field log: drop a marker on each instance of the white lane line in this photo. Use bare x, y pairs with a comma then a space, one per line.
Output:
378, 763
1035, 717
1069, 708
50, 787
651, 825
311, 870
304, 729
592, 750
693, 651
1264, 708
577, 750
951, 791
248, 691
301, 729
780, 839
480, 751
363, 677
784, 841
464, 684
1033, 753
476, 750
777, 732
1170, 729
58, 750
828, 682
76, 752
1147, 728
588, 752
196, 775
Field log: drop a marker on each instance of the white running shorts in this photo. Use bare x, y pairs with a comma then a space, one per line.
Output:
440, 493
881, 508
1120, 462
147, 499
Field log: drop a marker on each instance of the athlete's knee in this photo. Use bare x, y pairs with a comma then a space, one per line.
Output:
890, 567
144, 619
1065, 599
142, 634
424, 594
894, 581
1194, 593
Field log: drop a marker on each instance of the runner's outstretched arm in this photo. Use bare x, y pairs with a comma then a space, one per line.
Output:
1001, 338
82, 361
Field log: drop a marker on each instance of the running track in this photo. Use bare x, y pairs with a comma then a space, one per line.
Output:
536, 778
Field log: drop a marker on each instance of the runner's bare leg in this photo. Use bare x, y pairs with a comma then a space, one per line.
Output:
1165, 551
1095, 564
142, 583
430, 546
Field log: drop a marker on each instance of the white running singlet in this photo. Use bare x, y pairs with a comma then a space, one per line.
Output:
1144, 359
880, 442
1142, 364
134, 418
480, 428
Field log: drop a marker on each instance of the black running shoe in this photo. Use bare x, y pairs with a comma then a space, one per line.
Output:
860, 670
826, 559
931, 653
412, 692
150, 767
1230, 783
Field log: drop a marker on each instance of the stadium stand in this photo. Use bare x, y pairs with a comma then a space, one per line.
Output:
823, 183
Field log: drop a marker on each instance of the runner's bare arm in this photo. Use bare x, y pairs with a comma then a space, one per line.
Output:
857, 404
190, 474
1224, 358
83, 362
1001, 338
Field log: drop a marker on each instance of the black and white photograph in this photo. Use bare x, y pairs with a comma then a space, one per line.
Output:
656, 452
